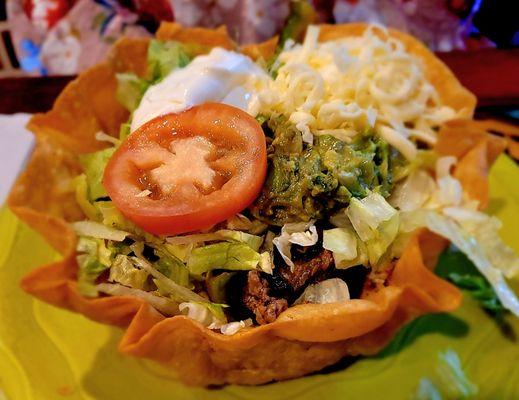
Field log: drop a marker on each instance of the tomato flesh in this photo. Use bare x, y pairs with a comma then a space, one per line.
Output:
188, 171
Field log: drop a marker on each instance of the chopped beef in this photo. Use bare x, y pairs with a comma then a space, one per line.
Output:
310, 265
306, 253
263, 297
257, 299
305, 272
267, 296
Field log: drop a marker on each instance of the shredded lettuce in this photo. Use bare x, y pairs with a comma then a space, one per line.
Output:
82, 198
225, 255
130, 89
476, 235
163, 57
342, 241
173, 268
217, 310
98, 230
477, 253
413, 192
112, 217
328, 291
234, 327
340, 219
180, 251
193, 239
210, 315
93, 258
240, 222
354, 256
376, 224
449, 193
94, 165
103, 137
342, 262
253, 241
367, 214
266, 264
177, 292
217, 286
385, 236
125, 130
126, 273
165, 305
485, 230
412, 220
300, 233
420, 190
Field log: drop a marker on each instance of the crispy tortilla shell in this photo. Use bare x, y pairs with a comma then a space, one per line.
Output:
303, 339
476, 149
200, 36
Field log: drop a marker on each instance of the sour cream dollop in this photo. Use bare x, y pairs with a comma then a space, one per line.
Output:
221, 76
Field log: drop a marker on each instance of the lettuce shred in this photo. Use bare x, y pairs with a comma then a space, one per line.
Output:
163, 57
82, 198
130, 89
225, 255
93, 258
332, 290
478, 254
124, 271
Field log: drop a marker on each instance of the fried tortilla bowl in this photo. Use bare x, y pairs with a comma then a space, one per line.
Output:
304, 338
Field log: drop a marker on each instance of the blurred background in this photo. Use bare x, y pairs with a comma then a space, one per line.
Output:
63, 37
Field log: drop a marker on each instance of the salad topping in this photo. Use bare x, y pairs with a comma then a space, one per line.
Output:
187, 171
180, 214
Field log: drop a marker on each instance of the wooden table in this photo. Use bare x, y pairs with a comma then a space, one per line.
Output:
493, 75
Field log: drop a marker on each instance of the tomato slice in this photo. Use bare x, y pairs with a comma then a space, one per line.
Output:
184, 172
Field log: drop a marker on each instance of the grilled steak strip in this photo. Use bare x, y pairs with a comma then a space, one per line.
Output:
257, 299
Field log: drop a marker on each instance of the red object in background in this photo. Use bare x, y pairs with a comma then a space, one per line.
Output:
490, 74
461, 8
46, 13
324, 9
158, 10
231, 145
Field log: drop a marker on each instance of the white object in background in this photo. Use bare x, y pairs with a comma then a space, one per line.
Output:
16, 143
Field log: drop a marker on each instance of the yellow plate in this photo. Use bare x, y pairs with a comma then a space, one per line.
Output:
47, 353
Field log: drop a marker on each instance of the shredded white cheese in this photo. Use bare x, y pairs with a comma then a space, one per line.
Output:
346, 86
